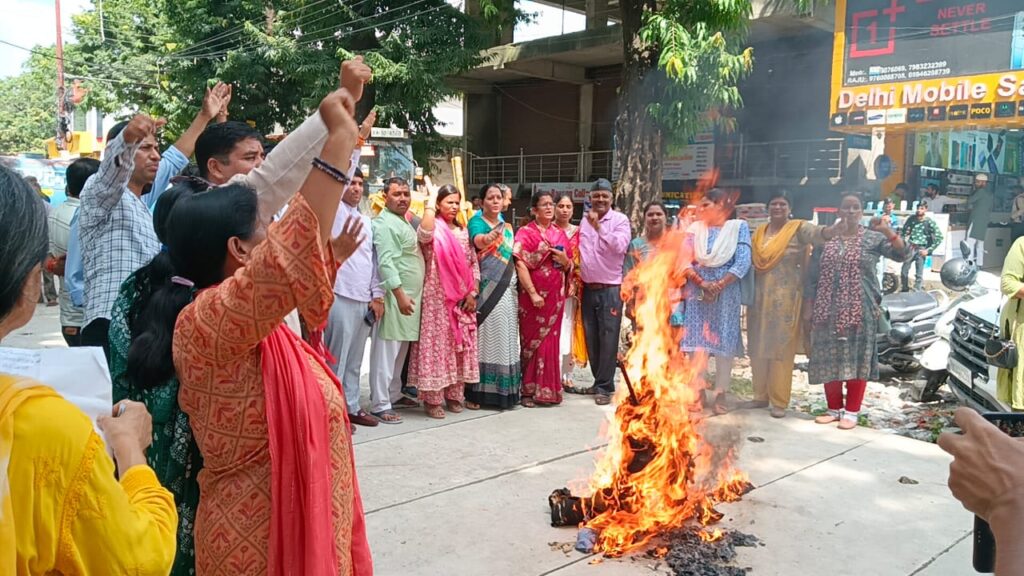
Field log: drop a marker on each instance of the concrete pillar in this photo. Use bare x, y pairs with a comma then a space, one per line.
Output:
586, 130
597, 14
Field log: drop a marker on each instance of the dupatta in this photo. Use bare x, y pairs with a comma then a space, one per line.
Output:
457, 280
301, 530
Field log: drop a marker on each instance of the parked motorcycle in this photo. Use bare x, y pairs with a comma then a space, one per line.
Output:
912, 319
959, 275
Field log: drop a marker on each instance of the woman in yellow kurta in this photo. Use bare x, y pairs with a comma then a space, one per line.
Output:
61, 508
1010, 385
780, 250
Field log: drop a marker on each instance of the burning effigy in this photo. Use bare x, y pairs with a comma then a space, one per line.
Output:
659, 471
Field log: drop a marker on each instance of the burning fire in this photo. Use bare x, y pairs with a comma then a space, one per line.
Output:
658, 471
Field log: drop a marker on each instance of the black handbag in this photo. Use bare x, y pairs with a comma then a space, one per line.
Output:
1000, 352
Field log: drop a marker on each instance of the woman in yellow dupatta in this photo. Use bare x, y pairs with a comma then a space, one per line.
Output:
62, 511
780, 251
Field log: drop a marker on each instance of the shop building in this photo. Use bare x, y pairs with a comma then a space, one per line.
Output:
543, 112
938, 88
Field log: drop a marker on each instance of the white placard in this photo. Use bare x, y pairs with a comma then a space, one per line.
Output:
79, 375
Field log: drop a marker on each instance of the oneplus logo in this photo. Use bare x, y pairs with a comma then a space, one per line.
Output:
865, 27
937, 113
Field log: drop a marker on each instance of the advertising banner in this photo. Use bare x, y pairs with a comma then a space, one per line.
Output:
692, 162
920, 63
577, 190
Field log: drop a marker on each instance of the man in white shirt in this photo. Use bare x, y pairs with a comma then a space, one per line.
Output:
72, 317
358, 304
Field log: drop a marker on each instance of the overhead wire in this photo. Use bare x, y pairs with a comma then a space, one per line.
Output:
305, 41
222, 36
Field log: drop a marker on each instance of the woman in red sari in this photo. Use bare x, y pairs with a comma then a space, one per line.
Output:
542, 265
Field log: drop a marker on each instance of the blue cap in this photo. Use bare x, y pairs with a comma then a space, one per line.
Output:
601, 184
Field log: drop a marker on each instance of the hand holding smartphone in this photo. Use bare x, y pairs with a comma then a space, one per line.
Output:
984, 558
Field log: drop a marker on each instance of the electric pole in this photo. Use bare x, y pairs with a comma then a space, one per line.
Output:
62, 127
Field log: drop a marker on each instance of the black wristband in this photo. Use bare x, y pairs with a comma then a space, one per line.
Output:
330, 171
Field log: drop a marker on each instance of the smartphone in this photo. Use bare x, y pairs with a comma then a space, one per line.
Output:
984, 560
560, 248
370, 318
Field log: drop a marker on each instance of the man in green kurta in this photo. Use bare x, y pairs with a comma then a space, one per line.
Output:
980, 205
401, 270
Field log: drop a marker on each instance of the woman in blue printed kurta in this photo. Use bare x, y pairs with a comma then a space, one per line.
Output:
721, 258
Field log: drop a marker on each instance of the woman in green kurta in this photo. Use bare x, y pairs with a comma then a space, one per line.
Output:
780, 253
1010, 384
173, 455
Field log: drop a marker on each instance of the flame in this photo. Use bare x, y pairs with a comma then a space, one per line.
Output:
658, 471
711, 536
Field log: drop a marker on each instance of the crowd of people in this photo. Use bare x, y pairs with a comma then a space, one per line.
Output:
234, 308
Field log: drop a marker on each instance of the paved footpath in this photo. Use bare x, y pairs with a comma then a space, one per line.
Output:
468, 495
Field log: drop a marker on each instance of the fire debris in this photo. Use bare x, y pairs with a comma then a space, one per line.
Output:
690, 554
660, 470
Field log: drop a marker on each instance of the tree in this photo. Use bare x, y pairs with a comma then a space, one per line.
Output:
683, 62
28, 102
282, 56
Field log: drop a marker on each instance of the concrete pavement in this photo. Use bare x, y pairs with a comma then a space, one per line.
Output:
468, 495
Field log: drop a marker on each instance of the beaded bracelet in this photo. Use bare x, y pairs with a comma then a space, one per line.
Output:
330, 171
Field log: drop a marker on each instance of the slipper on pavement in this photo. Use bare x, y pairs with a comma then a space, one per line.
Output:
388, 416
363, 418
404, 402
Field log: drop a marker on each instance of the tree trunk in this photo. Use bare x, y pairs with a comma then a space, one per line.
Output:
640, 145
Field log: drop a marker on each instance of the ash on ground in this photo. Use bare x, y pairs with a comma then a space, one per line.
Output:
688, 555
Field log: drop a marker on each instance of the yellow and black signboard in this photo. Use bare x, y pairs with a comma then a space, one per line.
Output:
927, 64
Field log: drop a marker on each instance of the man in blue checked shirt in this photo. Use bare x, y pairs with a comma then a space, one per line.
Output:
114, 224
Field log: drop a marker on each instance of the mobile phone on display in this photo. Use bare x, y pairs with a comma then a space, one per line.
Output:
984, 560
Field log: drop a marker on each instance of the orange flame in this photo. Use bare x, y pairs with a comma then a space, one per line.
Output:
658, 471
711, 536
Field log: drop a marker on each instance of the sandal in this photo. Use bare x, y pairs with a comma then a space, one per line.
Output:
404, 402
471, 405
388, 416
434, 411
602, 399
454, 406
827, 418
528, 403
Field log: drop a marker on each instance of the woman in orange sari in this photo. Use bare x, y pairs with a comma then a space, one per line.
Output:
278, 493
542, 264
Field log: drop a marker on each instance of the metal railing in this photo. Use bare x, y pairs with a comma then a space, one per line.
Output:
782, 160
580, 166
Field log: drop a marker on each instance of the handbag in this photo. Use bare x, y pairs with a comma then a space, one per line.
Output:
1002, 352
748, 288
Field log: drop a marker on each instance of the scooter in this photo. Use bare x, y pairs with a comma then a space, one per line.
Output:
912, 317
935, 359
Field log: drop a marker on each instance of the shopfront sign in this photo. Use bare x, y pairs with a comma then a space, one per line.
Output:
908, 63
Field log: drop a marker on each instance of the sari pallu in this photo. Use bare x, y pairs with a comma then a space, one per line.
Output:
540, 328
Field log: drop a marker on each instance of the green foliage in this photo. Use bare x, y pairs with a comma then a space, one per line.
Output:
28, 102
282, 56
700, 60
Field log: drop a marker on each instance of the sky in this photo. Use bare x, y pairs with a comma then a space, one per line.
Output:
30, 23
